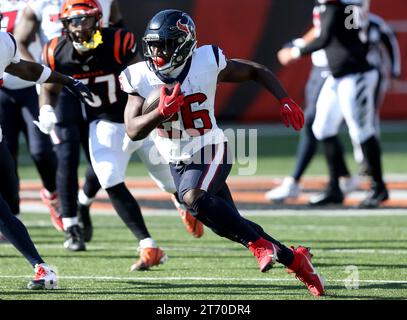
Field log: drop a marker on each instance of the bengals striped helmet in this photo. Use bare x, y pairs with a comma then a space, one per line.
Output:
82, 22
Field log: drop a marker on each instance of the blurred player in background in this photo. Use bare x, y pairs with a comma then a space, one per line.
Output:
307, 147
41, 19
348, 93
384, 54
190, 141
18, 108
10, 226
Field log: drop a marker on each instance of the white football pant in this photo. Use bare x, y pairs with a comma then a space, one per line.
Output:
109, 161
352, 98
382, 87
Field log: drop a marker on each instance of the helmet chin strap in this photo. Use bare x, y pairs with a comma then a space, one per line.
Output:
80, 47
170, 76
174, 72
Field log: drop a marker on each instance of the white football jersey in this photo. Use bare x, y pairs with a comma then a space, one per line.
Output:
48, 12
9, 53
194, 126
12, 11
318, 58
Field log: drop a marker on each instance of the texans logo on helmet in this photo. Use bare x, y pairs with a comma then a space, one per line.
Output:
183, 27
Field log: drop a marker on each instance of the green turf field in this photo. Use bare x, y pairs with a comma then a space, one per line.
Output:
213, 268
373, 247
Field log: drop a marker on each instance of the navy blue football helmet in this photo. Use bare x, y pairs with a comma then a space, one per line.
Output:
168, 42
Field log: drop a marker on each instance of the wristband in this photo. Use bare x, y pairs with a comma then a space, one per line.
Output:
299, 42
295, 52
46, 108
46, 72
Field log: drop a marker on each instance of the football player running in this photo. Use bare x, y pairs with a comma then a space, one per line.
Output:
40, 22
10, 226
190, 141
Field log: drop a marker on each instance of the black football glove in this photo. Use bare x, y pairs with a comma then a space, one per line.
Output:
79, 90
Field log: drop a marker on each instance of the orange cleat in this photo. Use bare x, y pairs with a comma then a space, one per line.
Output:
193, 225
51, 201
305, 271
149, 257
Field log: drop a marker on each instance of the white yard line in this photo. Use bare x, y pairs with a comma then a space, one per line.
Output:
224, 279
30, 208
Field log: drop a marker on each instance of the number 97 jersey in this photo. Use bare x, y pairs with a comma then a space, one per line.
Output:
194, 126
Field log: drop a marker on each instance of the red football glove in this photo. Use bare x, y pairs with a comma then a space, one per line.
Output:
291, 113
170, 104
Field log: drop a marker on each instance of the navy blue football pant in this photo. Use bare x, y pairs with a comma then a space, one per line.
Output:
71, 132
307, 146
10, 226
17, 234
207, 171
18, 109
9, 188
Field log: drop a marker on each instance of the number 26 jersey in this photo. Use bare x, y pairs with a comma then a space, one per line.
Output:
194, 126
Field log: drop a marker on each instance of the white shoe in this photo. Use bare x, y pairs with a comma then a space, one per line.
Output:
349, 184
288, 189
45, 278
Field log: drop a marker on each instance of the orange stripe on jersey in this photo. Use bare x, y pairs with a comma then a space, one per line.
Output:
49, 53
117, 46
127, 38
131, 42
44, 54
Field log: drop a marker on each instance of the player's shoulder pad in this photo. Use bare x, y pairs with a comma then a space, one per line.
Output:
50, 51
212, 54
123, 42
8, 44
133, 77
14, 43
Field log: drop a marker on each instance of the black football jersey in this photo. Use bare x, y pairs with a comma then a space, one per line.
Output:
343, 39
99, 70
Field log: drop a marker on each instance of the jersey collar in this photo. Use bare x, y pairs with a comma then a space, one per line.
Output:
180, 78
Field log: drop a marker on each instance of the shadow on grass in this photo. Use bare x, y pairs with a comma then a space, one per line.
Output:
143, 290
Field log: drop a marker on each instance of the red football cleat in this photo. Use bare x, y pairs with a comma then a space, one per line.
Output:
53, 205
265, 253
305, 271
45, 278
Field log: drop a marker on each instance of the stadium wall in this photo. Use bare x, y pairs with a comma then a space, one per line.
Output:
256, 29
